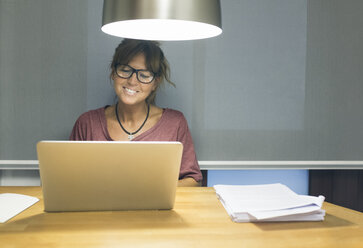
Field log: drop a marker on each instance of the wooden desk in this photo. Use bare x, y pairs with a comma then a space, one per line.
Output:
198, 220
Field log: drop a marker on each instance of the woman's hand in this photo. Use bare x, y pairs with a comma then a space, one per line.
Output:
188, 182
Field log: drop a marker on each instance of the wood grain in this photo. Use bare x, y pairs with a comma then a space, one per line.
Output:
198, 220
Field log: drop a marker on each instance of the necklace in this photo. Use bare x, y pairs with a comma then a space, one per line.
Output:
131, 134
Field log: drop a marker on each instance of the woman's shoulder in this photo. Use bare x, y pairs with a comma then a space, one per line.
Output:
173, 117
173, 114
176, 124
90, 126
91, 115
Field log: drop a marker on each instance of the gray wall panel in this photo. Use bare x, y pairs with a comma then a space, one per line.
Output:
42, 72
283, 82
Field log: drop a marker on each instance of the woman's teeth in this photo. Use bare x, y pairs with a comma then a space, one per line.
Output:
132, 92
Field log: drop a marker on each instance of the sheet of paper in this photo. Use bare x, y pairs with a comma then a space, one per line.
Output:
13, 204
262, 197
317, 216
268, 202
284, 212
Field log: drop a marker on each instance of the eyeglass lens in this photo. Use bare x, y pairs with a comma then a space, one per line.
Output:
125, 71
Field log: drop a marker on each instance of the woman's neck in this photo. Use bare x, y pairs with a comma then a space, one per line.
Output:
131, 114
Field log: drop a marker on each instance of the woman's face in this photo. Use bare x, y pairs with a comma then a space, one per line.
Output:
130, 91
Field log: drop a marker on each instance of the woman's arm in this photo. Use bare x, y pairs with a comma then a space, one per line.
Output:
189, 169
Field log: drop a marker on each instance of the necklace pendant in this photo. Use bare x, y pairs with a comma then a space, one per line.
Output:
131, 135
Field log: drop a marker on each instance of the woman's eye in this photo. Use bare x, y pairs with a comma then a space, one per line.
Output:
146, 74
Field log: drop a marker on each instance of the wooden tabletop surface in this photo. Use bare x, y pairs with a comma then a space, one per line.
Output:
197, 220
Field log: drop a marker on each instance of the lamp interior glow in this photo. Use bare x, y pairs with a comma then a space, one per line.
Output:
161, 29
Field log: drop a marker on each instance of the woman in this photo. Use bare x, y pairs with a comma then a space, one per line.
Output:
138, 69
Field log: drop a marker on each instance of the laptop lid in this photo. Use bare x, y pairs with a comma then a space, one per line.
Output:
92, 175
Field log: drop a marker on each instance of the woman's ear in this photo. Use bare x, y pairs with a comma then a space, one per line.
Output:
113, 75
156, 83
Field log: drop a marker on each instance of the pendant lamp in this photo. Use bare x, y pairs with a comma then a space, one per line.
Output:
162, 19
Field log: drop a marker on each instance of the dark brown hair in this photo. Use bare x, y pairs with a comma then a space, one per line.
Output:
154, 59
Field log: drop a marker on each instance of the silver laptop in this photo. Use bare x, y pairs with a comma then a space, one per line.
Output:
97, 176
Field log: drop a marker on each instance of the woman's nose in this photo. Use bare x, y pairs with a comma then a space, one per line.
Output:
133, 79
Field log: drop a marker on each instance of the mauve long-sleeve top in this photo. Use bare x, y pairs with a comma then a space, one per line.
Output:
172, 126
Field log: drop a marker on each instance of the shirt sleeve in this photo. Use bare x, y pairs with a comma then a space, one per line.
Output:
189, 164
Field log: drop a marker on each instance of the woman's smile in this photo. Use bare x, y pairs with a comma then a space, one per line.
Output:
129, 91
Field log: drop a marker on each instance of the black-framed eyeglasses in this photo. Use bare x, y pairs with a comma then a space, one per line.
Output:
126, 71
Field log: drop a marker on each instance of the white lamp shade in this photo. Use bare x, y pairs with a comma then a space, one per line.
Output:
162, 19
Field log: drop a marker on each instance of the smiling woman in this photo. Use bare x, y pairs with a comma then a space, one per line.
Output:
138, 69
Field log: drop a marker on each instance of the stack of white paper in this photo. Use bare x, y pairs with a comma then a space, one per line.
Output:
269, 202
13, 204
